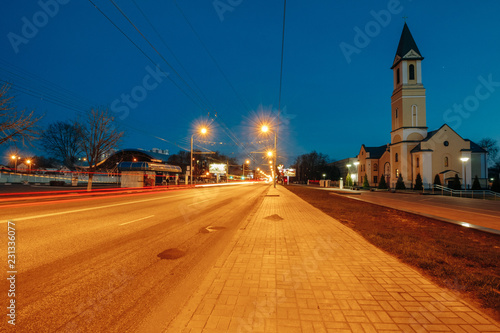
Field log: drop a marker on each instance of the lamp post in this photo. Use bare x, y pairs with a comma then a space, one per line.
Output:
357, 173
348, 171
29, 165
464, 160
246, 162
15, 158
265, 129
203, 130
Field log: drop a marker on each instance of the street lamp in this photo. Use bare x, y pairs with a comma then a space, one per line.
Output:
356, 165
246, 162
29, 165
266, 129
203, 130
464, 160
15, 158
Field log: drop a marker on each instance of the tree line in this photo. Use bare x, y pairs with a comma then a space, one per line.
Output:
92, 135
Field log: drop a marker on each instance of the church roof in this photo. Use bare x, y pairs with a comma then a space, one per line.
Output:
406, 45
475, 148
376, 152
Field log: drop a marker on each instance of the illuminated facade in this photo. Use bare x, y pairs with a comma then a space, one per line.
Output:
413, 150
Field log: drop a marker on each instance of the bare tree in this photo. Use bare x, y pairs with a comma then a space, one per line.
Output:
15, 126
490, 145
98, 137
62, 140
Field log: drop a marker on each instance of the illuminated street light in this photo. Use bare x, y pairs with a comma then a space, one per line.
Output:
203, 130
464, 160
265, 129
15, 158
357, 173
29, 165
246, 162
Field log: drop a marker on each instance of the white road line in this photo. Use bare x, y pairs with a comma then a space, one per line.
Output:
86, 209
147, 217
198, 202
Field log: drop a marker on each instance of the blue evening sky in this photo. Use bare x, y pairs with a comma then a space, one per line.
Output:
63, 59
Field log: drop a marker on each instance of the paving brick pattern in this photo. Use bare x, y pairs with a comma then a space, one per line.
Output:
295, 269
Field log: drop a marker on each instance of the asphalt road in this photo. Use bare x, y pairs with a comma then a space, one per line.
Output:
119, 263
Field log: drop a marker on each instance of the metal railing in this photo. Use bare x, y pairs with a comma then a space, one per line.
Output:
479, 194
25, 178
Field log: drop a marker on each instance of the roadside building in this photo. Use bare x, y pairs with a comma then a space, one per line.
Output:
413, 150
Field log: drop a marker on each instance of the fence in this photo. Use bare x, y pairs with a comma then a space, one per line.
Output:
480, 194
67, 177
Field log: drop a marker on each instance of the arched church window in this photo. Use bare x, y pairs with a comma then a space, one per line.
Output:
397, 76
412, 72
396, 112
375, 167
418, 162
397, 173
396, 157
414, 119
446, 162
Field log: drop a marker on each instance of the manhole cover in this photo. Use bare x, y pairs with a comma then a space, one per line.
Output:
274, 217
171, 254
209, 229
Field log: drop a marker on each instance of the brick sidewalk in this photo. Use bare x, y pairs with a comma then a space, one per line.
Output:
295, 269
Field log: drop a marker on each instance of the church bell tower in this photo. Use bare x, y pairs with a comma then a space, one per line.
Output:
408, 96
408, 105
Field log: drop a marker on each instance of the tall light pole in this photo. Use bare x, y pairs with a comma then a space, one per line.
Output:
246, 162
29, 165
15, 158
203, 130
265, 129
357, 173
464, 160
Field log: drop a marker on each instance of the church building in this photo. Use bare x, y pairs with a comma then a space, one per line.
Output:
413, 149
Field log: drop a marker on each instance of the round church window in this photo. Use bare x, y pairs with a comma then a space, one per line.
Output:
446, 143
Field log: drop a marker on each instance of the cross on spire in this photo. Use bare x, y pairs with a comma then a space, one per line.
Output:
404, 18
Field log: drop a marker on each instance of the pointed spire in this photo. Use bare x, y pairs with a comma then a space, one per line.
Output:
406, 45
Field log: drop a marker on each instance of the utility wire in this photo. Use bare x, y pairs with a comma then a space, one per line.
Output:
245, 106
171, 51
148, 57
157, 52
212, 57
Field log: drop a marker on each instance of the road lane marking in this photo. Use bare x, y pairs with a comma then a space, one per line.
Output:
147, 217
87, 209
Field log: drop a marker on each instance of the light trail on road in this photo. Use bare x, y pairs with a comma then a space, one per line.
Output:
97, 266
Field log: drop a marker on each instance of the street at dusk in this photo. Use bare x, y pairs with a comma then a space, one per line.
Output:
250, 166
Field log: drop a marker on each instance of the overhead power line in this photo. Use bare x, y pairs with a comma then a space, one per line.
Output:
161, 56
148, 57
